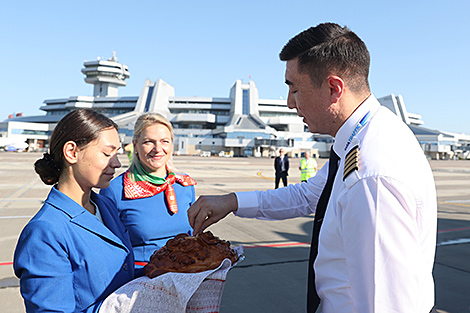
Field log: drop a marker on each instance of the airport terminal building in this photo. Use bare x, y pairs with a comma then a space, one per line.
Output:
241, 124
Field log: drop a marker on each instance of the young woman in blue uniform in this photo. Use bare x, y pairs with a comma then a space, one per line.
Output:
152, 198
75, 251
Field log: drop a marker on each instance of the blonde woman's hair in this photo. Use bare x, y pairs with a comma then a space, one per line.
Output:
144, 121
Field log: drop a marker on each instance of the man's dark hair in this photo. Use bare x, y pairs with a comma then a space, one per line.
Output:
330, 49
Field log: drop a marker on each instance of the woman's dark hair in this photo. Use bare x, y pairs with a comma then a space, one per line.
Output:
81, 126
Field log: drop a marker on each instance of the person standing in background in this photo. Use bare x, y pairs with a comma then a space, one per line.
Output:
307, 166
281, 166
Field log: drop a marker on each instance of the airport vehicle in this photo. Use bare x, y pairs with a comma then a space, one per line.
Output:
8, 144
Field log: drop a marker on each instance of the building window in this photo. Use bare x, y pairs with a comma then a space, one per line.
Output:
149, 98
246, 102
20, 131
247, 135
248, 151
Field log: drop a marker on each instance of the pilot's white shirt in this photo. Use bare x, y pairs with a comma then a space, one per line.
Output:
377, 243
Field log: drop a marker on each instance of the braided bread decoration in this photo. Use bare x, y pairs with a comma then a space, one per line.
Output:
190, 254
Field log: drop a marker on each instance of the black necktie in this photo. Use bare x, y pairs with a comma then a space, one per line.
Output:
312, 297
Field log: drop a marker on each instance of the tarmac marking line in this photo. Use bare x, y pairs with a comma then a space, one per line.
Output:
274, 245
9, 238
19, 192
13, 217
454, 242
6, 263
452, 229
453, 203
270, 263
458, 201
448, 266
23, 200
264, 177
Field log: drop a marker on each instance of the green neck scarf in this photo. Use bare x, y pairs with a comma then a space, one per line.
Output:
141, 174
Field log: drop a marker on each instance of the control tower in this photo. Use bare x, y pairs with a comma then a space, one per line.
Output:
106, 76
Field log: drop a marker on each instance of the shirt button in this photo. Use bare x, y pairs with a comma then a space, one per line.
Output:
124, 267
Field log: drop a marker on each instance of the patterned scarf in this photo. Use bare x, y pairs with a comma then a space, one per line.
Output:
144, 189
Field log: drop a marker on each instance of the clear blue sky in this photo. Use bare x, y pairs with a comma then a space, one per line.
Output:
419, 49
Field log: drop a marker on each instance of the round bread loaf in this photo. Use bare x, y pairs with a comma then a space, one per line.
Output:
190, 254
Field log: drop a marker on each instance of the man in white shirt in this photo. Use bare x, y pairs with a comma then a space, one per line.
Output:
375, 249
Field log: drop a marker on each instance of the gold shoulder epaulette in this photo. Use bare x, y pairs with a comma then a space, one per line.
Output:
351, 162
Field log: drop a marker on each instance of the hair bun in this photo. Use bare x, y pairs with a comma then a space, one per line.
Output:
47, 169
50, 161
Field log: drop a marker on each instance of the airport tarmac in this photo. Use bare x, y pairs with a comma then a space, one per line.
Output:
272, 278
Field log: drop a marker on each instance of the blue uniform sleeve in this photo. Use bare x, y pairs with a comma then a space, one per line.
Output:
41, 262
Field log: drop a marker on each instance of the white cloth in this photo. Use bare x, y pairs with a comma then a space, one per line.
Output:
97, 213
377, 243
172, 292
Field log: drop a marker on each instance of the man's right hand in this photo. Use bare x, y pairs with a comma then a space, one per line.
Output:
208, 210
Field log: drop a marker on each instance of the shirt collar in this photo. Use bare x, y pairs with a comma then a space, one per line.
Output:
62, 202
371, 105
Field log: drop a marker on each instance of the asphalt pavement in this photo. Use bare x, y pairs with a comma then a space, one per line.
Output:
272, 277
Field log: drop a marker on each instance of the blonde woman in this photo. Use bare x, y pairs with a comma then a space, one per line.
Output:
152, 199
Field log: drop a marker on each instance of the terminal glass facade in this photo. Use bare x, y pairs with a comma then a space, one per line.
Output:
246, 102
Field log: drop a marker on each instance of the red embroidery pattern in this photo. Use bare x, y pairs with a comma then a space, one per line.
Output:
145, 189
